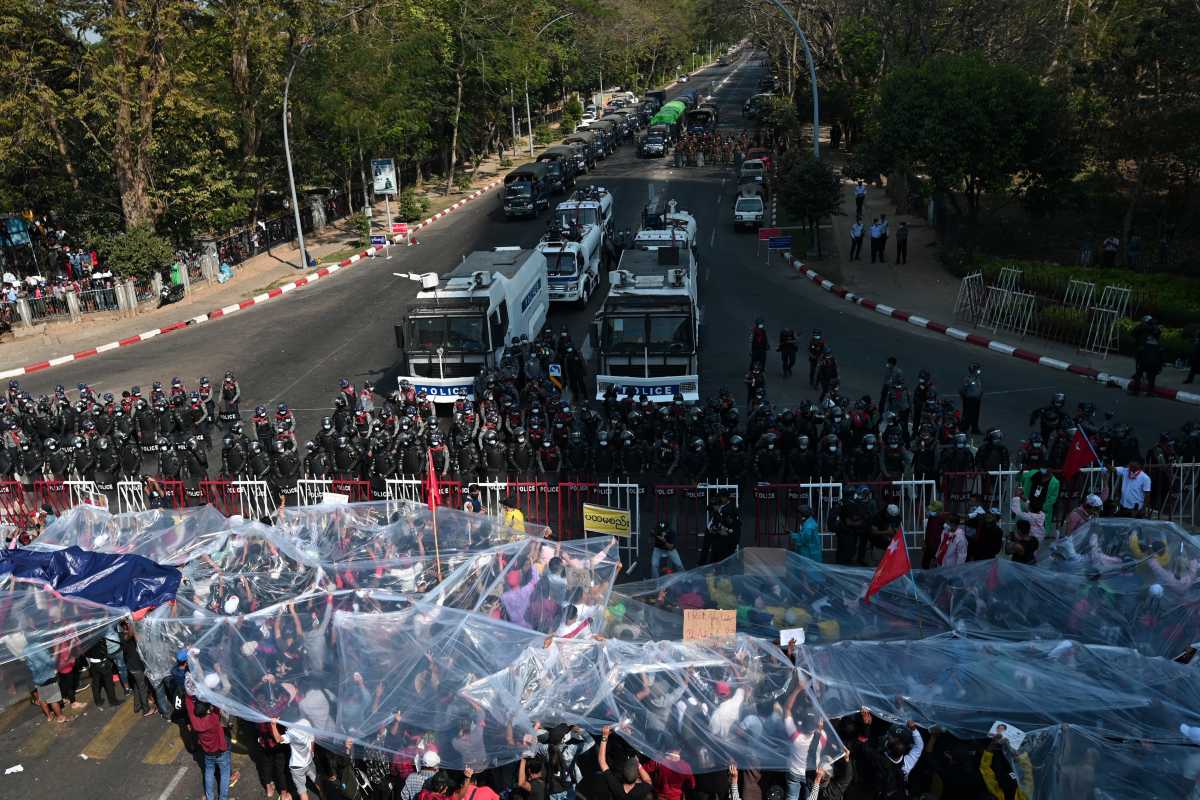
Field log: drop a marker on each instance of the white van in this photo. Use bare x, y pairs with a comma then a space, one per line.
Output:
748, 210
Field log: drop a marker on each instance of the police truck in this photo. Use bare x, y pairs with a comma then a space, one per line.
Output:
645, 338
468, 319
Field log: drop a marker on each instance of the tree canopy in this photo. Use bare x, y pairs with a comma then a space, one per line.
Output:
167, 114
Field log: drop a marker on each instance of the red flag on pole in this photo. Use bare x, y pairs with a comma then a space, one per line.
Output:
895, 564
431, 483
1081, 455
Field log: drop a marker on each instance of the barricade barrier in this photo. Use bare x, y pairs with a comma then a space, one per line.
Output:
131, 495
685, 508
15, 508
777, 511
63, 495
252, 500
414, 490
531, 498
312, 491
571, 497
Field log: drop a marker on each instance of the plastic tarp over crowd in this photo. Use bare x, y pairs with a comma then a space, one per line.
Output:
372, 624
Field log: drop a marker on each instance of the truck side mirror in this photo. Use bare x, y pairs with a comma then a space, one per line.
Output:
594, 334
399, 329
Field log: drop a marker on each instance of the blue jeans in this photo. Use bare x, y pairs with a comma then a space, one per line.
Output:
118, 658
795, 786
160, 697
656, 557
212, 762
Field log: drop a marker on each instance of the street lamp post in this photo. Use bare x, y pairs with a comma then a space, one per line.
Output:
528, 114
287, 155
812, 74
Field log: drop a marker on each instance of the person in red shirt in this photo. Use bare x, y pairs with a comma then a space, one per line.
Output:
205, 722
671, 777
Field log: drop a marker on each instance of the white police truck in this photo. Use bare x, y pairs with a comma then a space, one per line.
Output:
646, 336
573, 255
466, 320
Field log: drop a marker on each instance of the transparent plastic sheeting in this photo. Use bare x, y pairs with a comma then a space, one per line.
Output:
393, 672
165, 536
1115, 545
1079, 762
964, 686
552, 587
1136, 606
36, 627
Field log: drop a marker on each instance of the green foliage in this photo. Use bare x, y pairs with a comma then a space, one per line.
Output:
572, 113
462, 180
362, 222
975, 127
543, 135
808, 189
413, 206
136, 253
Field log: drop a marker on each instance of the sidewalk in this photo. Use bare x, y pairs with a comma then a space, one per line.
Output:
924, 287
253, 277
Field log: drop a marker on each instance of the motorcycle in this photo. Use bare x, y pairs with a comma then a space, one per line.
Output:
170, 293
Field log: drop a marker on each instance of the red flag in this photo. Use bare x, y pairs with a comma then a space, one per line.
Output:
1081, 455
431, 483
895, 564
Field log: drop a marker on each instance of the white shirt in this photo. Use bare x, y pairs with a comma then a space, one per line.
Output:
860, 191
800, 744
727, 715
301, 744
876, 231
1133, 488
856, 230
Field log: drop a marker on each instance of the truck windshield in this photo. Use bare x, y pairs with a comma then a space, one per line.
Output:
624, 334
566, 217
560, 263
670, 334
750, 204
519, 189
460, 334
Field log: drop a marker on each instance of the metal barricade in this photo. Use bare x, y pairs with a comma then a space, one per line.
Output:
131, 495
567, 522
15, 508
994, 489
63, 495
1181, 504
93, 300
531, 498
685, 508
312, 491
414, 490
777, 511
253, 500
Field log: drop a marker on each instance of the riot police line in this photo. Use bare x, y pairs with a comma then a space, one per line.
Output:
523, 429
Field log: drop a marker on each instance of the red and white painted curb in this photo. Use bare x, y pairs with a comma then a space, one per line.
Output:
1105, 378
259, 299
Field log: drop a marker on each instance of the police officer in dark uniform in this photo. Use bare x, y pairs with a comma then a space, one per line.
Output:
1050, 417
316, 461
816, 347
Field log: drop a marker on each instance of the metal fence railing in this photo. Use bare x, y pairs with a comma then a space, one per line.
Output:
103, 299
48, 307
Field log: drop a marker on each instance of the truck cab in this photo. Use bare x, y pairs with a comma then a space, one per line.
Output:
646, 335
591, 148
573, 256
526, 191
589, 205
463, 322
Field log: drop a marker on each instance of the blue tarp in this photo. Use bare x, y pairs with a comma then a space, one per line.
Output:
119, 581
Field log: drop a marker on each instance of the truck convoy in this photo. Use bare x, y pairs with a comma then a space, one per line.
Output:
647, 332
466, 320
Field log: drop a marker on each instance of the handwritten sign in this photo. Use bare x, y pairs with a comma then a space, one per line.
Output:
703, 623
